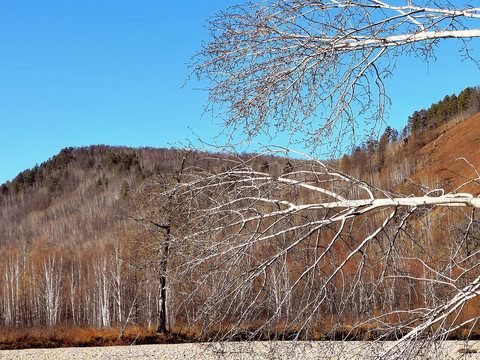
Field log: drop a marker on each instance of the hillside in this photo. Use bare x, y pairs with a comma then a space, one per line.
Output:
78, 197
71, 254
65, 238
444, 157
452, 158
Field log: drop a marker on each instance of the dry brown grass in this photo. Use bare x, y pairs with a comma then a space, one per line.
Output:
70, 336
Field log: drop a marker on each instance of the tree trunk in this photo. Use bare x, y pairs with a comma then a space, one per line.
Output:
162, 314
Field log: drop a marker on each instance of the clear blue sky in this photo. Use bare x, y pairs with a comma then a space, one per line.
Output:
77, 73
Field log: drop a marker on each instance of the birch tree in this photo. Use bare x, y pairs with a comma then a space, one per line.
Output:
11, 291
313, 69
103, 293
116, 280
50, 289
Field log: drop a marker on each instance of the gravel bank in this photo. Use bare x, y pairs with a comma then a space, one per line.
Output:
242, 350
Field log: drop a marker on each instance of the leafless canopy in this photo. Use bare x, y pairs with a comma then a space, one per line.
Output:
310, 68
294, 249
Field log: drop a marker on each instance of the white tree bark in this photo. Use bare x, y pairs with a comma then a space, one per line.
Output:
103, 293
51, 288
11, 291
357, 257
115, 275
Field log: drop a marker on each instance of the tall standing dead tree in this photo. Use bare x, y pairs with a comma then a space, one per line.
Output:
159, 211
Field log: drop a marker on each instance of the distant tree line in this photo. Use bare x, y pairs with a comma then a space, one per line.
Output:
55, 173
394, 150
466, 103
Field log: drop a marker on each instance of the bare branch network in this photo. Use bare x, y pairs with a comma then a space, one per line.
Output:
311, 69
286, 250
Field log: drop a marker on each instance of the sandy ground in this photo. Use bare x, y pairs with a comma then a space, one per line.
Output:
254, 350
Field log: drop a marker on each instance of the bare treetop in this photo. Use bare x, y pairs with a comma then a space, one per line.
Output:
312, 69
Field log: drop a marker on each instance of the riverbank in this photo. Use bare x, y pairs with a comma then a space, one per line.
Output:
253, 350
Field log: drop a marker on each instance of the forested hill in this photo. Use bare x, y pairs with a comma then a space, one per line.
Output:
67, 243
66, 240
82, 194
447, 130
443, 157
78, 196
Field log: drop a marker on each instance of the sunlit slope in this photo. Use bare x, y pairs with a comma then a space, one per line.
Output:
451, 159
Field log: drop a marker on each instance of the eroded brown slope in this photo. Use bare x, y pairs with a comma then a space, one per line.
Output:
452, 159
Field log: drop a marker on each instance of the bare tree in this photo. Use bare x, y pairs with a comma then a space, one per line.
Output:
313, 253
159, 212
312, 69
103, 294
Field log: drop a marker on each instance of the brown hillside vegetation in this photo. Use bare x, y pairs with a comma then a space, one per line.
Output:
452, 158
